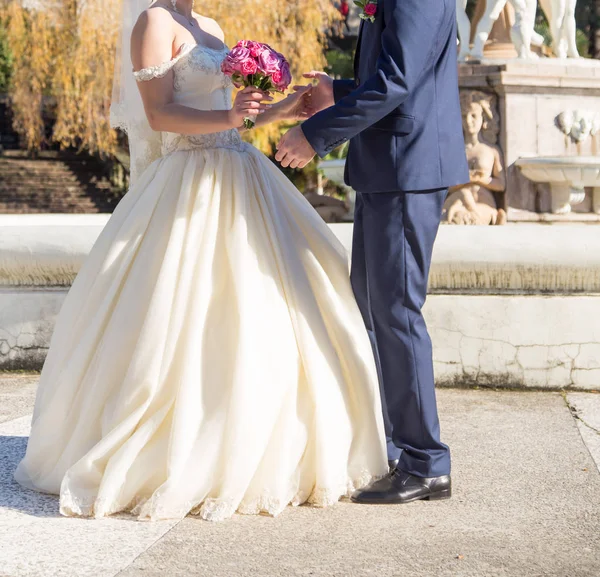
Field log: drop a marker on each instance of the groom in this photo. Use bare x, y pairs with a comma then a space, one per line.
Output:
402, 116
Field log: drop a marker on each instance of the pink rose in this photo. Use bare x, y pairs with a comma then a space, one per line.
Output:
248, 66
227, 67
282, 78
255, 48
371, 9
238, 55
287, 74
269, 61
276, 78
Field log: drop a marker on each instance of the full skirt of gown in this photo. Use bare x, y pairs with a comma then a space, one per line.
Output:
210, 356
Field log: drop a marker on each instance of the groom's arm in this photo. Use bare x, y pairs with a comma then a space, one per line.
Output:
412, 30
342, 88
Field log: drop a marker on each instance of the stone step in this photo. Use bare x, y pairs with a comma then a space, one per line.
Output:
62, 209
49, 203
54, 182
55, 199
46, 201
64, 192
53, 185
43, 167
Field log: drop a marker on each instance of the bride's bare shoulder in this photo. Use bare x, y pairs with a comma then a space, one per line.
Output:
154, 20
152, 38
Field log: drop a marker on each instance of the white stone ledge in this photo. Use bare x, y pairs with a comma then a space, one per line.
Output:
45, 249
48, 250
513, 259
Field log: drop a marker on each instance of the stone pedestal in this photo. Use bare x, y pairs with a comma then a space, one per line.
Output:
531, 95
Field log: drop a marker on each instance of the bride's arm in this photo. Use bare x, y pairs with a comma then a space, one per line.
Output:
151, 45
295, 107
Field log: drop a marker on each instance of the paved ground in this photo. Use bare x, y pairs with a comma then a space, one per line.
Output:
526, 503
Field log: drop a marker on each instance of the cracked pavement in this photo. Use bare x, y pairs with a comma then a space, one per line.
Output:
526, 502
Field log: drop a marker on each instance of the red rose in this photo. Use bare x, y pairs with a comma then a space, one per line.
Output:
371, 9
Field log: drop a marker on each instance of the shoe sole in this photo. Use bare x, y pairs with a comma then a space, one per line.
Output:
438, 496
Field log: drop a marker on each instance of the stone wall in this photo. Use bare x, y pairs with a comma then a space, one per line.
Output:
39, 258
514, 306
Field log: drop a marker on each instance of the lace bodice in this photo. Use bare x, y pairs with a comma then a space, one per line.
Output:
198, 83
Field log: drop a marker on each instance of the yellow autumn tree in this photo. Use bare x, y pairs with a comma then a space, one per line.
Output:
82, 83
33, 67
72, 59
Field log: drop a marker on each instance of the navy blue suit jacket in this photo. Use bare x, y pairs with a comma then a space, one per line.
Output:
402, 112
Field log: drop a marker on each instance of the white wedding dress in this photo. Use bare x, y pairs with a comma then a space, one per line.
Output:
210, 357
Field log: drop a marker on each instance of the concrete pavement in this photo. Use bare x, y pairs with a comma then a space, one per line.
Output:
526, 503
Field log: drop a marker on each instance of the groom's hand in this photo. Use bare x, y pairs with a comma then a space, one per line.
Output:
321, 96
294, 150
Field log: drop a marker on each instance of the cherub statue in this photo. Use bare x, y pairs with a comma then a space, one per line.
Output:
474, 203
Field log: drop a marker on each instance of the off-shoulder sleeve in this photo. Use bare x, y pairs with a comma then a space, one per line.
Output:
163, 69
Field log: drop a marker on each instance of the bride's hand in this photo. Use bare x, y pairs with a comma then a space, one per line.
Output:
297, 106
248, 103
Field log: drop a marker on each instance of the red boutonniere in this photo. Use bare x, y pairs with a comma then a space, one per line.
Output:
369, 9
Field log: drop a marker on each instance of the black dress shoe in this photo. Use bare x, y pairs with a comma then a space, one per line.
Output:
399, 487
393, 464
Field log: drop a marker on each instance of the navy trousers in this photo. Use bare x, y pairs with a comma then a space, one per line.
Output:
391, 256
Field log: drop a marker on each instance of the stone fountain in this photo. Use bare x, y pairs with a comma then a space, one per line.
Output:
542, 114
546, 102
568, 177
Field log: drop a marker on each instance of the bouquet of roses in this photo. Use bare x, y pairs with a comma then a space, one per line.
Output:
254, 64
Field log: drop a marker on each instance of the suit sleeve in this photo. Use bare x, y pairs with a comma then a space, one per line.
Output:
342, 88
411, 32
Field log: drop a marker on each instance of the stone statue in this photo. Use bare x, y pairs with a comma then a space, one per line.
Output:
474, 203
559, 13
464, 29
561, 17
522, 33
579, 125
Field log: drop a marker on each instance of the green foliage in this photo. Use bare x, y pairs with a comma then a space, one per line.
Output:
6, 60
339, 153
542, 27
340, 64
583, 43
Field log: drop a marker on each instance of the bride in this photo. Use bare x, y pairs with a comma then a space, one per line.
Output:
210, 357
